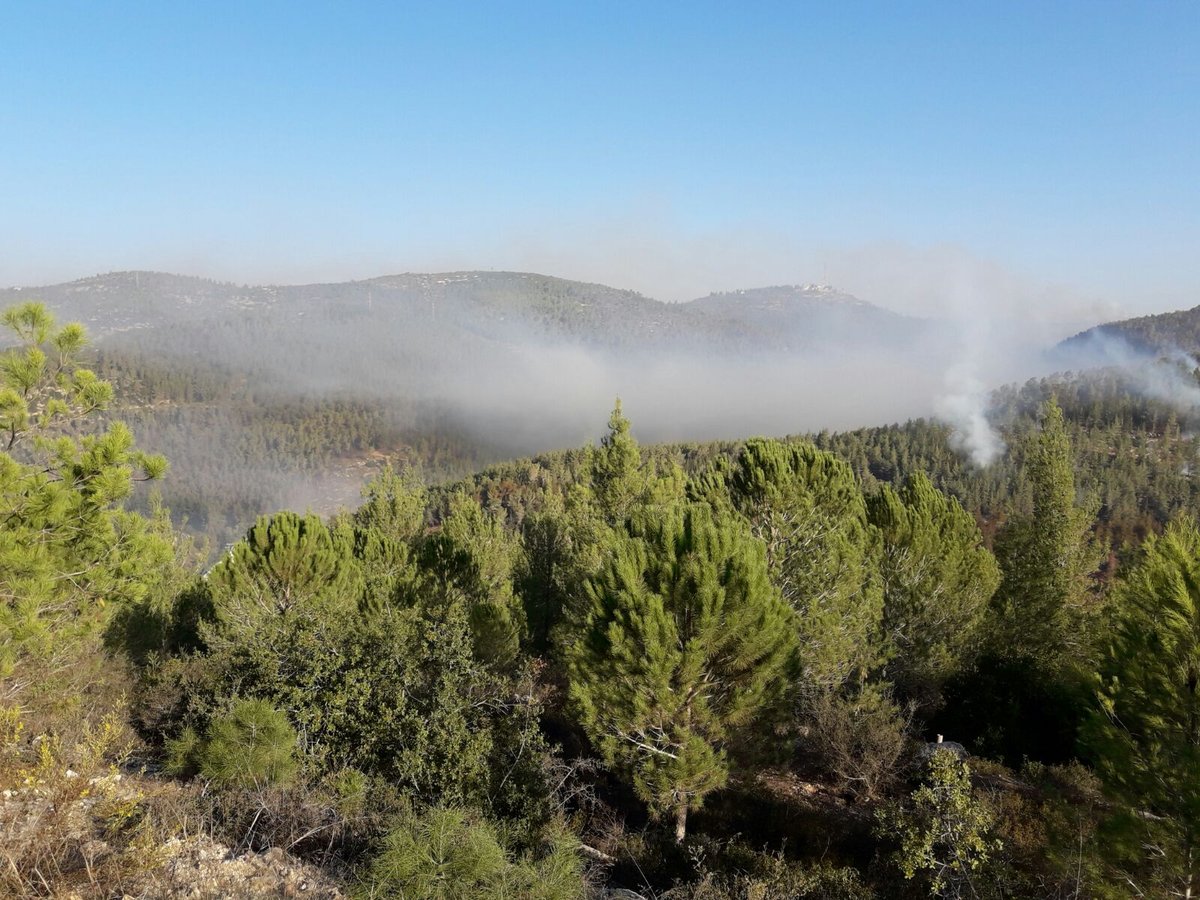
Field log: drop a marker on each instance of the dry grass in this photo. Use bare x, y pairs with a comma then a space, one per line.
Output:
73, 824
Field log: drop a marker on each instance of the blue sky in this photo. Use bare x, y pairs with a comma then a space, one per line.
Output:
1032, 149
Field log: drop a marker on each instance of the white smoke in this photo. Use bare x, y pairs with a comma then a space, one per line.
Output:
964, 408
1167, 376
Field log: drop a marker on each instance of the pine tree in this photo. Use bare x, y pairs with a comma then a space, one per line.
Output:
70, 554
937, 581
807, 508
386, 528
470, 561
286, 562
618, 481
448, 853
1146, 734
1027, 694
1045, 599
252, 745
564, 543
684, 640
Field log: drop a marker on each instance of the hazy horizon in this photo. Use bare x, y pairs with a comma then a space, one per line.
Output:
965, 290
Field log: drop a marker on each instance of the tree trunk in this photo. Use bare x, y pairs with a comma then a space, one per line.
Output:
681, 822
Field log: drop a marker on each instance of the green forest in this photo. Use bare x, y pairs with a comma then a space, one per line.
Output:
837, 665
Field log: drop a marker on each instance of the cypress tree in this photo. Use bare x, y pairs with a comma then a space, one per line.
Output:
684, 640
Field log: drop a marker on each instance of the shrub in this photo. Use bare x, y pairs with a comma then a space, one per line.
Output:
943, 829
860, 738
253, 745
447, 853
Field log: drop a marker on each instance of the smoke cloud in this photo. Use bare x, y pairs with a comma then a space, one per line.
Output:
964, 407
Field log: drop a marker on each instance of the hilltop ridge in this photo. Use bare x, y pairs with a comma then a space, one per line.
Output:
1161, 333
478, 301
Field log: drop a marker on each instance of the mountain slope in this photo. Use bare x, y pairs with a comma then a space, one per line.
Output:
500, 307
794, 316
1165, 333
286, 396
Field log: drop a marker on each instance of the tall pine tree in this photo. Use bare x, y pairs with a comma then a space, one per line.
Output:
618, 482
684, 640
1146, 733
937, 581
70, 554
1027, 694
1045, 601
806, 506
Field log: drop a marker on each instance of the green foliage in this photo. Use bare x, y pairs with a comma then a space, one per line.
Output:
1045, 601
286, 562
69, 553
937, 581
394, 505
439, 856
386, 527
943, 830
618, 481
446, 853
1146, 734
807, 508
251, 745
398, 695
167, 618
181, 753
684, 641
563, 544
39, 387
471, 560
1027, 694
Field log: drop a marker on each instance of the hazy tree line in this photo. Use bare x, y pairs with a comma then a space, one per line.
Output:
605, 669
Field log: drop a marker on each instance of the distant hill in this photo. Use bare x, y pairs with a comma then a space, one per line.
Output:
469, 307
795, 316
1162, 334
271, 396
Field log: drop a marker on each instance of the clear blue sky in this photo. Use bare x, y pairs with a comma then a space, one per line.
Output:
650, 145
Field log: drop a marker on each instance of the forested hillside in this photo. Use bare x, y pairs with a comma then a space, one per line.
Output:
681, 671
1135, 457
290, 396
1165, 333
